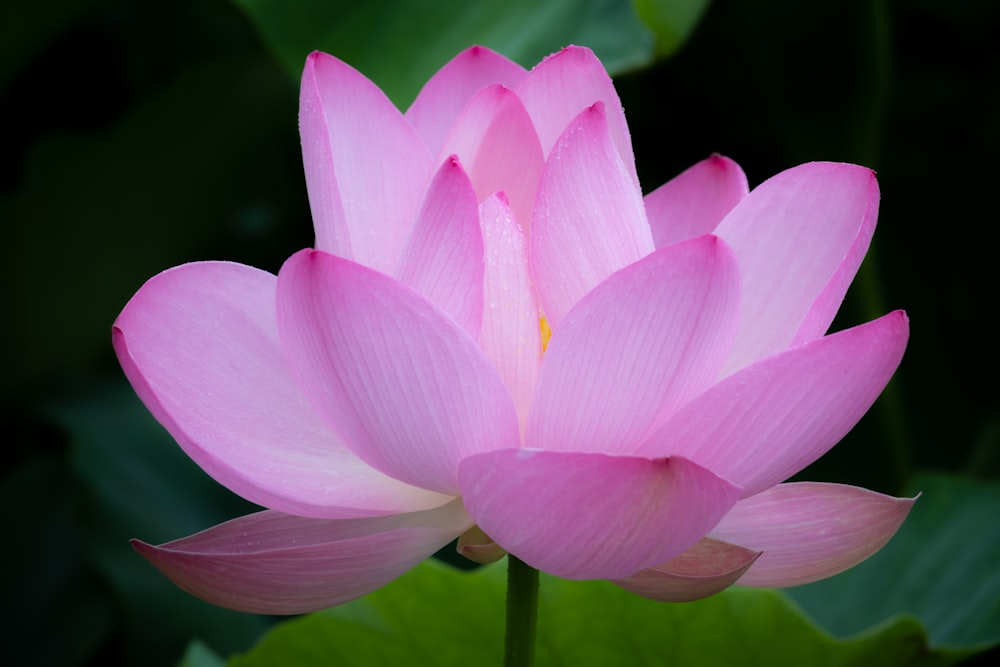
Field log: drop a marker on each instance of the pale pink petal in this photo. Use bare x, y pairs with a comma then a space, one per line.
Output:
273, 563
767, 422
809, 531
592, 516
404, 386
200, 345
563, 85
497, 143
588, 219
636, 348
707, 568
443, 257
799, 237
511, 337
366, 168
447, 92
695, 201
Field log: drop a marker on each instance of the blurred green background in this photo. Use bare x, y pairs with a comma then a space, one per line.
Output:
140, 135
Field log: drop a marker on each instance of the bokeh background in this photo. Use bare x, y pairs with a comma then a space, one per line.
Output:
140, 135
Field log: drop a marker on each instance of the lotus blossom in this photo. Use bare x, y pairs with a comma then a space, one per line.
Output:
498, 337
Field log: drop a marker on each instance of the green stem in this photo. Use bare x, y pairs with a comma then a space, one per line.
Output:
522, 613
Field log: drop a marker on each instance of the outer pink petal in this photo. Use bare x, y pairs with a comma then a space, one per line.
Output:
272, 563
592, 516
707, 568
511, 337
366, 168
799, 238
200, 345
636, 348
563, 85
809, 531
694, 202
588, 219
443, 258
495, 139
407, 389
767, 422
447, 92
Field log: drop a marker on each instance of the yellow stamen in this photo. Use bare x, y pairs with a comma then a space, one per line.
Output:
543, 324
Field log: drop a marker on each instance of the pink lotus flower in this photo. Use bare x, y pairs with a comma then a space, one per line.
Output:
396, 387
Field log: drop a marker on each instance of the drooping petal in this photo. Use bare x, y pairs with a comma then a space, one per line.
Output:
510, 337
496, 141
447, 92
397, 379
273, 563
695, 201
767, 422
799, 238
808, 531
636, 348
443, 257
200, 345
591, 516
707, 568
366, 168
563, 85
588, 219
479, 547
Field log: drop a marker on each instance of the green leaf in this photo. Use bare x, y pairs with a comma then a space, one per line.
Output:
672, 21
200, 655
436, 615
398, 44
941, 567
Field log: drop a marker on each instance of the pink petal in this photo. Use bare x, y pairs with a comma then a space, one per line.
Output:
200, 345
765, 423
495, 139
799, 238
707, 568
809, 531
591, 516
366, 168
443, 258
636, 348
407, 389
563, 85
273, 563
446, 93
694, 202
511, 337
588, 219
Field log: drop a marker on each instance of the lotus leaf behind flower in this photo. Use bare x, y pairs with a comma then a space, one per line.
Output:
498, 336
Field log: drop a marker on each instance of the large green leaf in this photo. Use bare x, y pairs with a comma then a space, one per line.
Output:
398, 44
438, 616
672, 21
942, 567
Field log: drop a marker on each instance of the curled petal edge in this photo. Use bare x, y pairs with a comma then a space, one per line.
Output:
274, 563
708, 567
